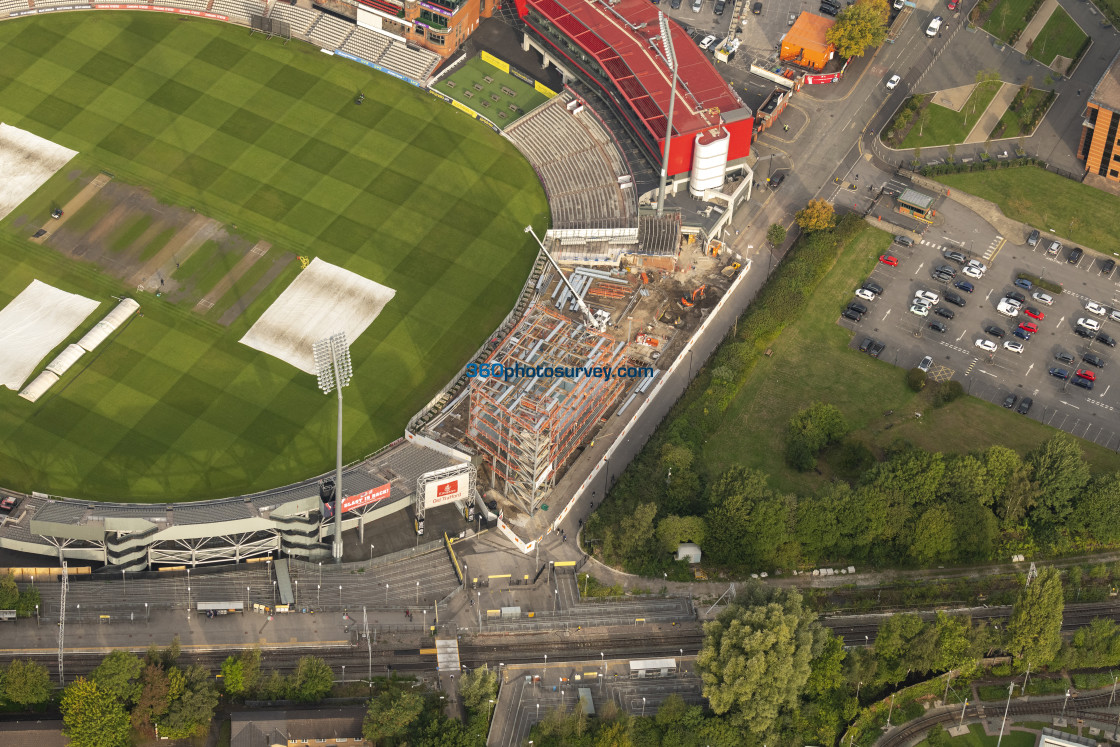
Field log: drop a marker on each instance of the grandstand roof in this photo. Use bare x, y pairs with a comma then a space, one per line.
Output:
618, 36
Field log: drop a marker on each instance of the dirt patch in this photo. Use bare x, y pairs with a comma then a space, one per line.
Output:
1061, 64
79, 200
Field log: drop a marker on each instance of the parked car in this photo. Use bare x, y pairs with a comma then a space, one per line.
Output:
919, 310
978, 265
1107, 339
941, 276
1064, 357
756, 9
1014, 347
973, 272
1054, 248
1083, 383
1075, 255
1016, 296
1093, 360
776, 180
947, 270
1045, 298
937, 326
927, 295
994, 331
828, 10
1059, 373
1091, 324
889, 259
707, 42
1114, 315
944, 313
720, 6
1024, 405
876, 349
855, 316
1085, 333
1032, 239
1022, 334
904, 240
1024, 283
925, 363
1108, 266
1034, 313
893, 82
857, 307
986, 345
1095, 308
865, 294
866, 344
1028, 327
1010, 400
1086, 374
873, 287
954, 256
965, 286
934, 26
1007, 309
954, 299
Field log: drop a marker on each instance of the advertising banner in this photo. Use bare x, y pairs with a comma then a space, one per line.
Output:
500, 64
448, 490
373, 495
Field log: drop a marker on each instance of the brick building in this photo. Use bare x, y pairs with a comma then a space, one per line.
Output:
439, 25
1100, 140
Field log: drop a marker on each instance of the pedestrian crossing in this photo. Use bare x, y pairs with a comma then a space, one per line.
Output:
993, 247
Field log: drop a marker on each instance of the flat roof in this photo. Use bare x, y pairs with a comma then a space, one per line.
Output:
619, 35
916, 198
809, 32
1106, 94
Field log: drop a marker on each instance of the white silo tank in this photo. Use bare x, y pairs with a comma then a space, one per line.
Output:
709, 161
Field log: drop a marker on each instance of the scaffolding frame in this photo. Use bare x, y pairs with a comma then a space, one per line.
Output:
528, 426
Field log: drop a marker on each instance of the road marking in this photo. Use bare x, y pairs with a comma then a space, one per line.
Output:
961, 337
886, 315
1105, 392
1069, 405
988, 373
989, 294
920, 266
1028, 373
1098, 403
1060, 321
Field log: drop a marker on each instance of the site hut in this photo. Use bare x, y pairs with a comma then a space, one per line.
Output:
806, 45
1100, 139
916, 204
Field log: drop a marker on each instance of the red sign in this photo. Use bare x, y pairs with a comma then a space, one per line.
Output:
373, 495
447, 488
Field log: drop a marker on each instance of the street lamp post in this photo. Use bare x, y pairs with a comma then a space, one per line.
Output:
890, 711
386, 595
318, 591
965, 706
297, 593
1110, 697
340, 597
671, 60
321, 571
344, 674
488, 707
643, 707
417, 593
188, 602
479, 612
247, 602
147, 617
1010, 689
332, 358
1064, 702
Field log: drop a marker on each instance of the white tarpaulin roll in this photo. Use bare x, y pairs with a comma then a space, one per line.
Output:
38, 386
35, 323
106, 326
68, 357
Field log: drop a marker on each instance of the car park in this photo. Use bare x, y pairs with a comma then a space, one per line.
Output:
893, 81
994, 331
1022, 334
1095, 308
1064, 357
1032, 239
925, 363
965, 286
1091, 324
865, 294
1107, 339
1028, 327
1034, 313
954, 299
934, 26
1075, 255
855, 316
1024, 405
1010, 400
1093, 360
1045, 298
873, 287
927, 295
1023, 283
1014, 347
972, 272
1086, 374
1054, 248
1007, 309
954, 256
1017, 297
986, 345
937, 326
919, 310
1083, 383
944, 313
1059, 373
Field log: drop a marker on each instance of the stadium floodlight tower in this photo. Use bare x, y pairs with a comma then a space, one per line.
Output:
597, 324
671, 60
332, 358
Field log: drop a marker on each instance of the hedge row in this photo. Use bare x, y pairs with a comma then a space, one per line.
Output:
958, 168
1044, 284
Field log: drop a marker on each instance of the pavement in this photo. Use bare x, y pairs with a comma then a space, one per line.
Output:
990, 117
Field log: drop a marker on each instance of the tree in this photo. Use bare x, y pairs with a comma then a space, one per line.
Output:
9, 592
755, 661
905, 644
119, 675
190, 714
1098, 510
154, 700
391, 714
817, 215
1060, 474
26, 682
923, 120
811, 430
1013, 492
29, 601
933, 536
312, 680
859, 27
92, 716
477, 688
728, 522
673, 530
1035, 628
951, 153
776, 234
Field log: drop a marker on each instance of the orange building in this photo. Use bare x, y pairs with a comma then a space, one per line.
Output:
805, 44
1100, 141
439, 25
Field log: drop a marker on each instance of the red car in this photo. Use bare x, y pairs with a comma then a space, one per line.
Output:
1028, 327
1087, 374
952, 4
889, 259
1034, 313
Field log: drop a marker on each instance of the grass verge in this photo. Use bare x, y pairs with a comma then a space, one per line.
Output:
945, 126
1009, 19
1060, 36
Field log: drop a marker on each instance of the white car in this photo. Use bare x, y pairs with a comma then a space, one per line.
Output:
893, 82
1092, 324
934, 26
927, 295
924, 302
922, 311
866, 295
978, 265
1095, 308
707, 42
1007, 308
1014, 347
973, 272
986, 345
1041, 297
1114, 315
925, 363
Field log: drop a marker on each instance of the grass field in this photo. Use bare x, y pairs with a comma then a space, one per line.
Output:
1040, 198
977, 738
1009, 17
1014, 122
816, 349
474, 72
403, 190
1060, 35
946, 126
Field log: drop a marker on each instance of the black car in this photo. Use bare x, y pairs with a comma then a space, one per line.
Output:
1107, 339
954, 299
873, 287
1024, 405
965, 286
855, 316
777, 179
674, 4
944, 313
1009, 401
1022, 334
1075, 255
995, 331
720, 6
756, 8
1064, 357
828, 10
1015, 295
1093, 360
904, 240
876, 349
946, 269
1083, 383
1032, 240
857, 307
941, 277
955, 257
866, 344
1059, 373
1082, 332
1108, 266
937, 326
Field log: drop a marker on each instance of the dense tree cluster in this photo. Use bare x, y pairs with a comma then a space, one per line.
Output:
859, 27
11, 598
915, 507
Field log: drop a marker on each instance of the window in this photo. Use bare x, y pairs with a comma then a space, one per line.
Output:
1114, 172
436, 38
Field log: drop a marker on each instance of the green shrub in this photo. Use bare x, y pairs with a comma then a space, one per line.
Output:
947, 391
916, 380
